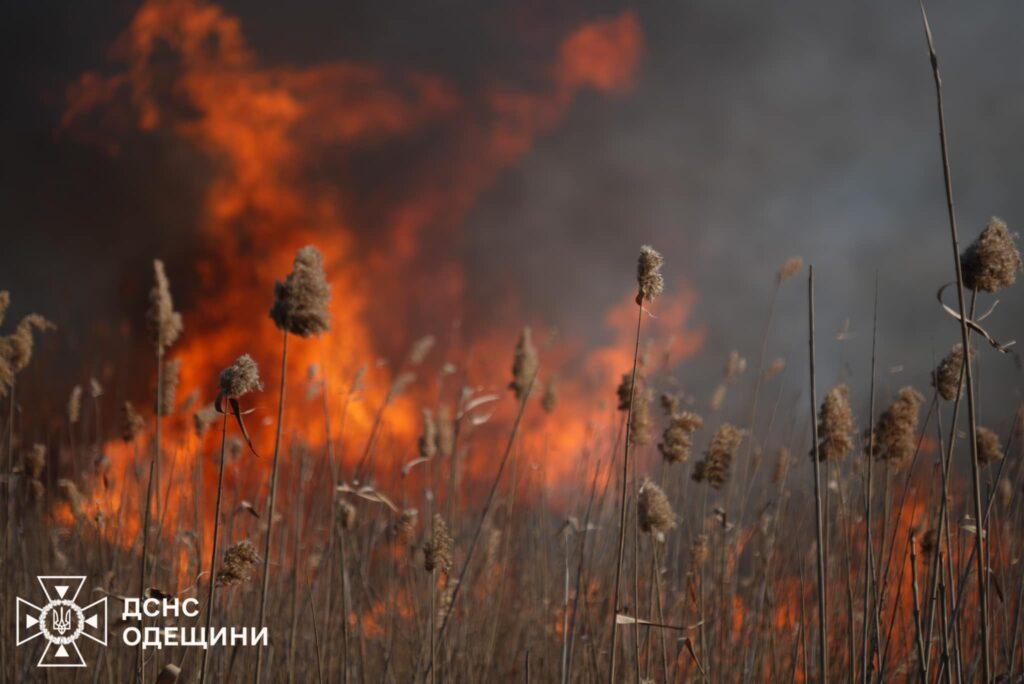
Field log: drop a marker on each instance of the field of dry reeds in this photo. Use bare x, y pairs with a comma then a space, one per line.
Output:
729, 535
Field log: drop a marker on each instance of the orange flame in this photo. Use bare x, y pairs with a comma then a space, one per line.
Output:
267, 132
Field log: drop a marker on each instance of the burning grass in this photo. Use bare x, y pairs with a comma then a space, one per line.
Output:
423, 519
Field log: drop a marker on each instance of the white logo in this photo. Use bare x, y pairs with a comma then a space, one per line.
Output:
61, 621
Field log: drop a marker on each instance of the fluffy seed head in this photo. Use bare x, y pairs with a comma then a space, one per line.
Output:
16, 348
677, 440
718, 397
896, 428
990, 449
774, 368
946, 376
624, 391
654, 511
35, 461
301, 301
131, 422
640, 420
717, 463
164, 322
648, 275
203, 419
428, 440
445, 431
240, 378
75, 404
735, 366
991, 262
169, 388
835, 425
524, 364
240, 560
437, 552
790, 268
550, 398
404, 528
419, 350
781, 465
69, 492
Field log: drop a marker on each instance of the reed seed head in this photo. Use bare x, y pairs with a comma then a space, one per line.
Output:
896, 429
781, 465
203, 419
790, 268
991, 262
624, 391
946, 376
774, 368
735, 366
428, 440
404, 528
240, 378
718, 397
301, 301
677, 440
169, 387
670, 403
164, 322
16, 348
654, 511
640, 421
35, 461
550, 398
648, 275
419, 350
75, 405
437, 552
240, 561
835, 425
70, 493
716, 467
990, 449
445, 431
131, 422
524, 364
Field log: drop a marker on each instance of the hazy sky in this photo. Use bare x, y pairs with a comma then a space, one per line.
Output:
754, 131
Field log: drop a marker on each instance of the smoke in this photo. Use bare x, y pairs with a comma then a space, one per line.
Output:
748, 133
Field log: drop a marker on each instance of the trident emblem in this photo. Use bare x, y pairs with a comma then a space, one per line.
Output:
61, 621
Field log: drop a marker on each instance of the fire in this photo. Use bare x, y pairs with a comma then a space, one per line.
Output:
267, 133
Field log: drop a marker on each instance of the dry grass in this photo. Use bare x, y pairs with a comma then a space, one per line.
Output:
442, 552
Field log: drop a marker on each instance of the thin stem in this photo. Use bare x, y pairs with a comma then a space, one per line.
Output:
867, 496
966, 341
822, 611
264, 585
213, 551
622, 503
